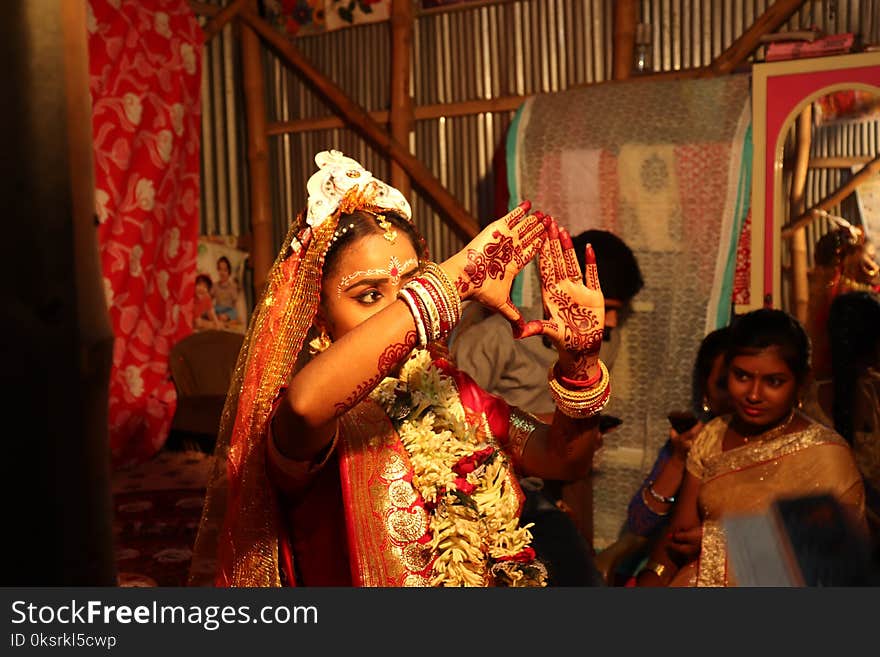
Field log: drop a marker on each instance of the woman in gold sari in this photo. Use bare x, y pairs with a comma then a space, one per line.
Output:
351, 453
742, 463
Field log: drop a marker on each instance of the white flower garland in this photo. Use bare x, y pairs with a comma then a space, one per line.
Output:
476, 537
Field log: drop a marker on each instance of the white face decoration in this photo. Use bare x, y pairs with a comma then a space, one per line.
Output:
393, 271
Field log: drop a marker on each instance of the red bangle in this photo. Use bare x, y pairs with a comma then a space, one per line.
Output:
589, 383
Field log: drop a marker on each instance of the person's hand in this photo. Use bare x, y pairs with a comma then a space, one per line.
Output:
686, 543
484, 270
682, 442
574, 307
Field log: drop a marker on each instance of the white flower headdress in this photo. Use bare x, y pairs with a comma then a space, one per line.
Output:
341, 183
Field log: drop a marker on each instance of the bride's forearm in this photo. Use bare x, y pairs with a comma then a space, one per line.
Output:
340, 377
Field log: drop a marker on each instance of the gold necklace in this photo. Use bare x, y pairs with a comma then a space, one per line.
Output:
776, 431
853, 284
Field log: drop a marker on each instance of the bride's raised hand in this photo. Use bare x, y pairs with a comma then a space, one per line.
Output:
484, 270
574, 307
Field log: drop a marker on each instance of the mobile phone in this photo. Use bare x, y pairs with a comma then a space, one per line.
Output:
608, 422
682, 421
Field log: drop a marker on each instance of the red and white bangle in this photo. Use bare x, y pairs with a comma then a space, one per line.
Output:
410, 299
434, 303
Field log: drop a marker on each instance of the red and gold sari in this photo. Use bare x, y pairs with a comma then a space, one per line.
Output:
748, 479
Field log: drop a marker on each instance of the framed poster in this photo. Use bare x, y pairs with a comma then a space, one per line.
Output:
780, 92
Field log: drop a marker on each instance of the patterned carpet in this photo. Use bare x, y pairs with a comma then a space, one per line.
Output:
157, 506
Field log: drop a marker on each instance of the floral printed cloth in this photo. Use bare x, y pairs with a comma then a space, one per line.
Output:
145, 78
303, 17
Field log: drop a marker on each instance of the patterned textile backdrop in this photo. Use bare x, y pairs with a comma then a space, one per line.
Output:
658, 163
307, 17
145, 85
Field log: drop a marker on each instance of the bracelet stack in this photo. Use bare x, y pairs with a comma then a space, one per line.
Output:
433, 302
582, 402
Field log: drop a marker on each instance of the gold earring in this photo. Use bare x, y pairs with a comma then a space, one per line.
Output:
706, 407
320, 343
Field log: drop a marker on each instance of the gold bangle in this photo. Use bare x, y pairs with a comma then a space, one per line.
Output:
576, 396
581, 404
656, 568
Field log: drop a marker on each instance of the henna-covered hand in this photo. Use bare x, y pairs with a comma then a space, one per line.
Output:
484, 270
574, 307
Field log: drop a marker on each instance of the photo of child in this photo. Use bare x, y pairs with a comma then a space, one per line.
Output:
204, 316
220, 301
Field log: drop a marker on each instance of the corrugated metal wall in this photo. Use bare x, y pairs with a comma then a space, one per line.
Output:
690, 33
505, 49
509, 48
224, 164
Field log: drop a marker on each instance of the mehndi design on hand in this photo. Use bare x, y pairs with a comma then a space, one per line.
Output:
496, 256
574, 306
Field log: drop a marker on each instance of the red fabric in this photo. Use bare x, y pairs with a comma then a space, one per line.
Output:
477, 401
145, 83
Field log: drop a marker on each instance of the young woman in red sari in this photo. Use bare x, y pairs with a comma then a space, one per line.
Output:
351, 453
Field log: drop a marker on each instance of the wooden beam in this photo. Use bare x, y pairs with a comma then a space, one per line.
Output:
779, 12
203, 8
458, 217
625, 19
257, 156
870, 170
837, 162
467, 107
799, 280
219, 21
402, 119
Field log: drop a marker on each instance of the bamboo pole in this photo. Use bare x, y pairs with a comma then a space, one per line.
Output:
779, 12
402, 118
800, 286
870, 170
258, 156
625, 19
458, 217
218, 22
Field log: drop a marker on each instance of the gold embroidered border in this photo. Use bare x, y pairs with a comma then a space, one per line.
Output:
712, 570
753, 454
385, 515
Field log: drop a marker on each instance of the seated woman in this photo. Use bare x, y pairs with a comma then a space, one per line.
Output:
365, 460
766, 450
649, 509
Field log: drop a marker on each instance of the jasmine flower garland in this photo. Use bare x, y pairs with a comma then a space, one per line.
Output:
463, 479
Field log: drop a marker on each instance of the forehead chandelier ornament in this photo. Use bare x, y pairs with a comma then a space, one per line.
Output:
342, 185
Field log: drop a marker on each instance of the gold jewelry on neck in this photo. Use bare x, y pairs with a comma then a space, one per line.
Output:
770, 434
853, 284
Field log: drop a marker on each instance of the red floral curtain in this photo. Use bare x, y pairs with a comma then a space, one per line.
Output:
145, 83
